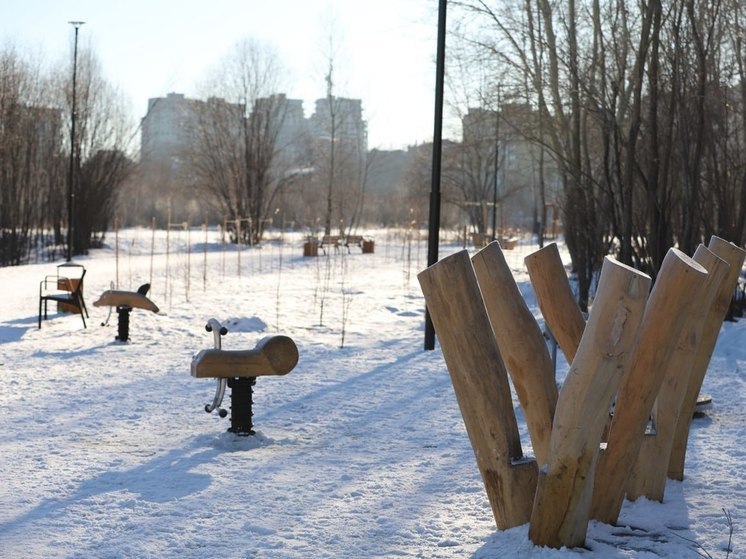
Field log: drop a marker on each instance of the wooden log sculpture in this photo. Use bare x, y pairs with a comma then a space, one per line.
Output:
555, 298
565, 486
734, 256
679, 282
521, 344
273, 355
649, 474
480, 382
125, 301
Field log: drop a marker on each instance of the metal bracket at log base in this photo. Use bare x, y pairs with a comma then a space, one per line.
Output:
480, 381
272, 356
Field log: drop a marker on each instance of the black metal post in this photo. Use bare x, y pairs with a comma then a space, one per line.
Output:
496, 166
434, 221
123, 324
71, 177
242, 392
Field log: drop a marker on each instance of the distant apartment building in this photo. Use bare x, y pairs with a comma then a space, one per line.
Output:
169, 127
514, 177
173, 124
166, 129
292, 128
385, 170
343, 118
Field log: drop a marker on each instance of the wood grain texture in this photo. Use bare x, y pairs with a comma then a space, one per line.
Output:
273, 355
734, 256
480, 382
563, 496
679, 282
521, 344
648, 478
555, 298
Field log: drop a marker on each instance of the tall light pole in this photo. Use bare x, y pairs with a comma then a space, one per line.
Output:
71, 177
434, 221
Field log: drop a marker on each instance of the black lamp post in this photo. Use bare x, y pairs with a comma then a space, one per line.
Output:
434, 221
71, 178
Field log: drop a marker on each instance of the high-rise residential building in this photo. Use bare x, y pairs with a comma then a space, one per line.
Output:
175, 128
341, 117
289, 124
167, 128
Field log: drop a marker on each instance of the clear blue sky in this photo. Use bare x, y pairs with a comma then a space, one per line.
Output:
152, 47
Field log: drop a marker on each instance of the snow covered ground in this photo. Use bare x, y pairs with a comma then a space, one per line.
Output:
106, 452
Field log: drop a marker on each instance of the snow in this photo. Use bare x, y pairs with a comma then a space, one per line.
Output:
360, 452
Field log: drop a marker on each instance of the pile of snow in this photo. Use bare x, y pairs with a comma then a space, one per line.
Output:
360, 451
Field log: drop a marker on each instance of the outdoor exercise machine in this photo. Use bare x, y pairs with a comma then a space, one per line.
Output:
238, 369
125, 301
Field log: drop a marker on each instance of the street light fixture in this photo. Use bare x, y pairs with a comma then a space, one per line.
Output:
71, 178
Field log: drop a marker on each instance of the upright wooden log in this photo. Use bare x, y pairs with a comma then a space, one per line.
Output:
679, 282
734, 256
521, 344
648, 478
480, 382
563, 496
555, 298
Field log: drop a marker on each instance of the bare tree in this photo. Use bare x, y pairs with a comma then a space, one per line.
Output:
30, 157
642, 112
102, 152
235, 153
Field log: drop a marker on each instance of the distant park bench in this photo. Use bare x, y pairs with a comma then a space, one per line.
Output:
331, 241
312, 244
481, 241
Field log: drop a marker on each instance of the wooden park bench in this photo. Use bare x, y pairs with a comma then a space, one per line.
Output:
238, 369
334, 241
365, 244
311, 245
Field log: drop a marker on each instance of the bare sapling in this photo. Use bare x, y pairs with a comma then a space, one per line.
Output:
222, 248
168, 255
188, 271
326, 280
152, 251
277, 291
133, 242
238, 247
116, 250
346, 297
204, 261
